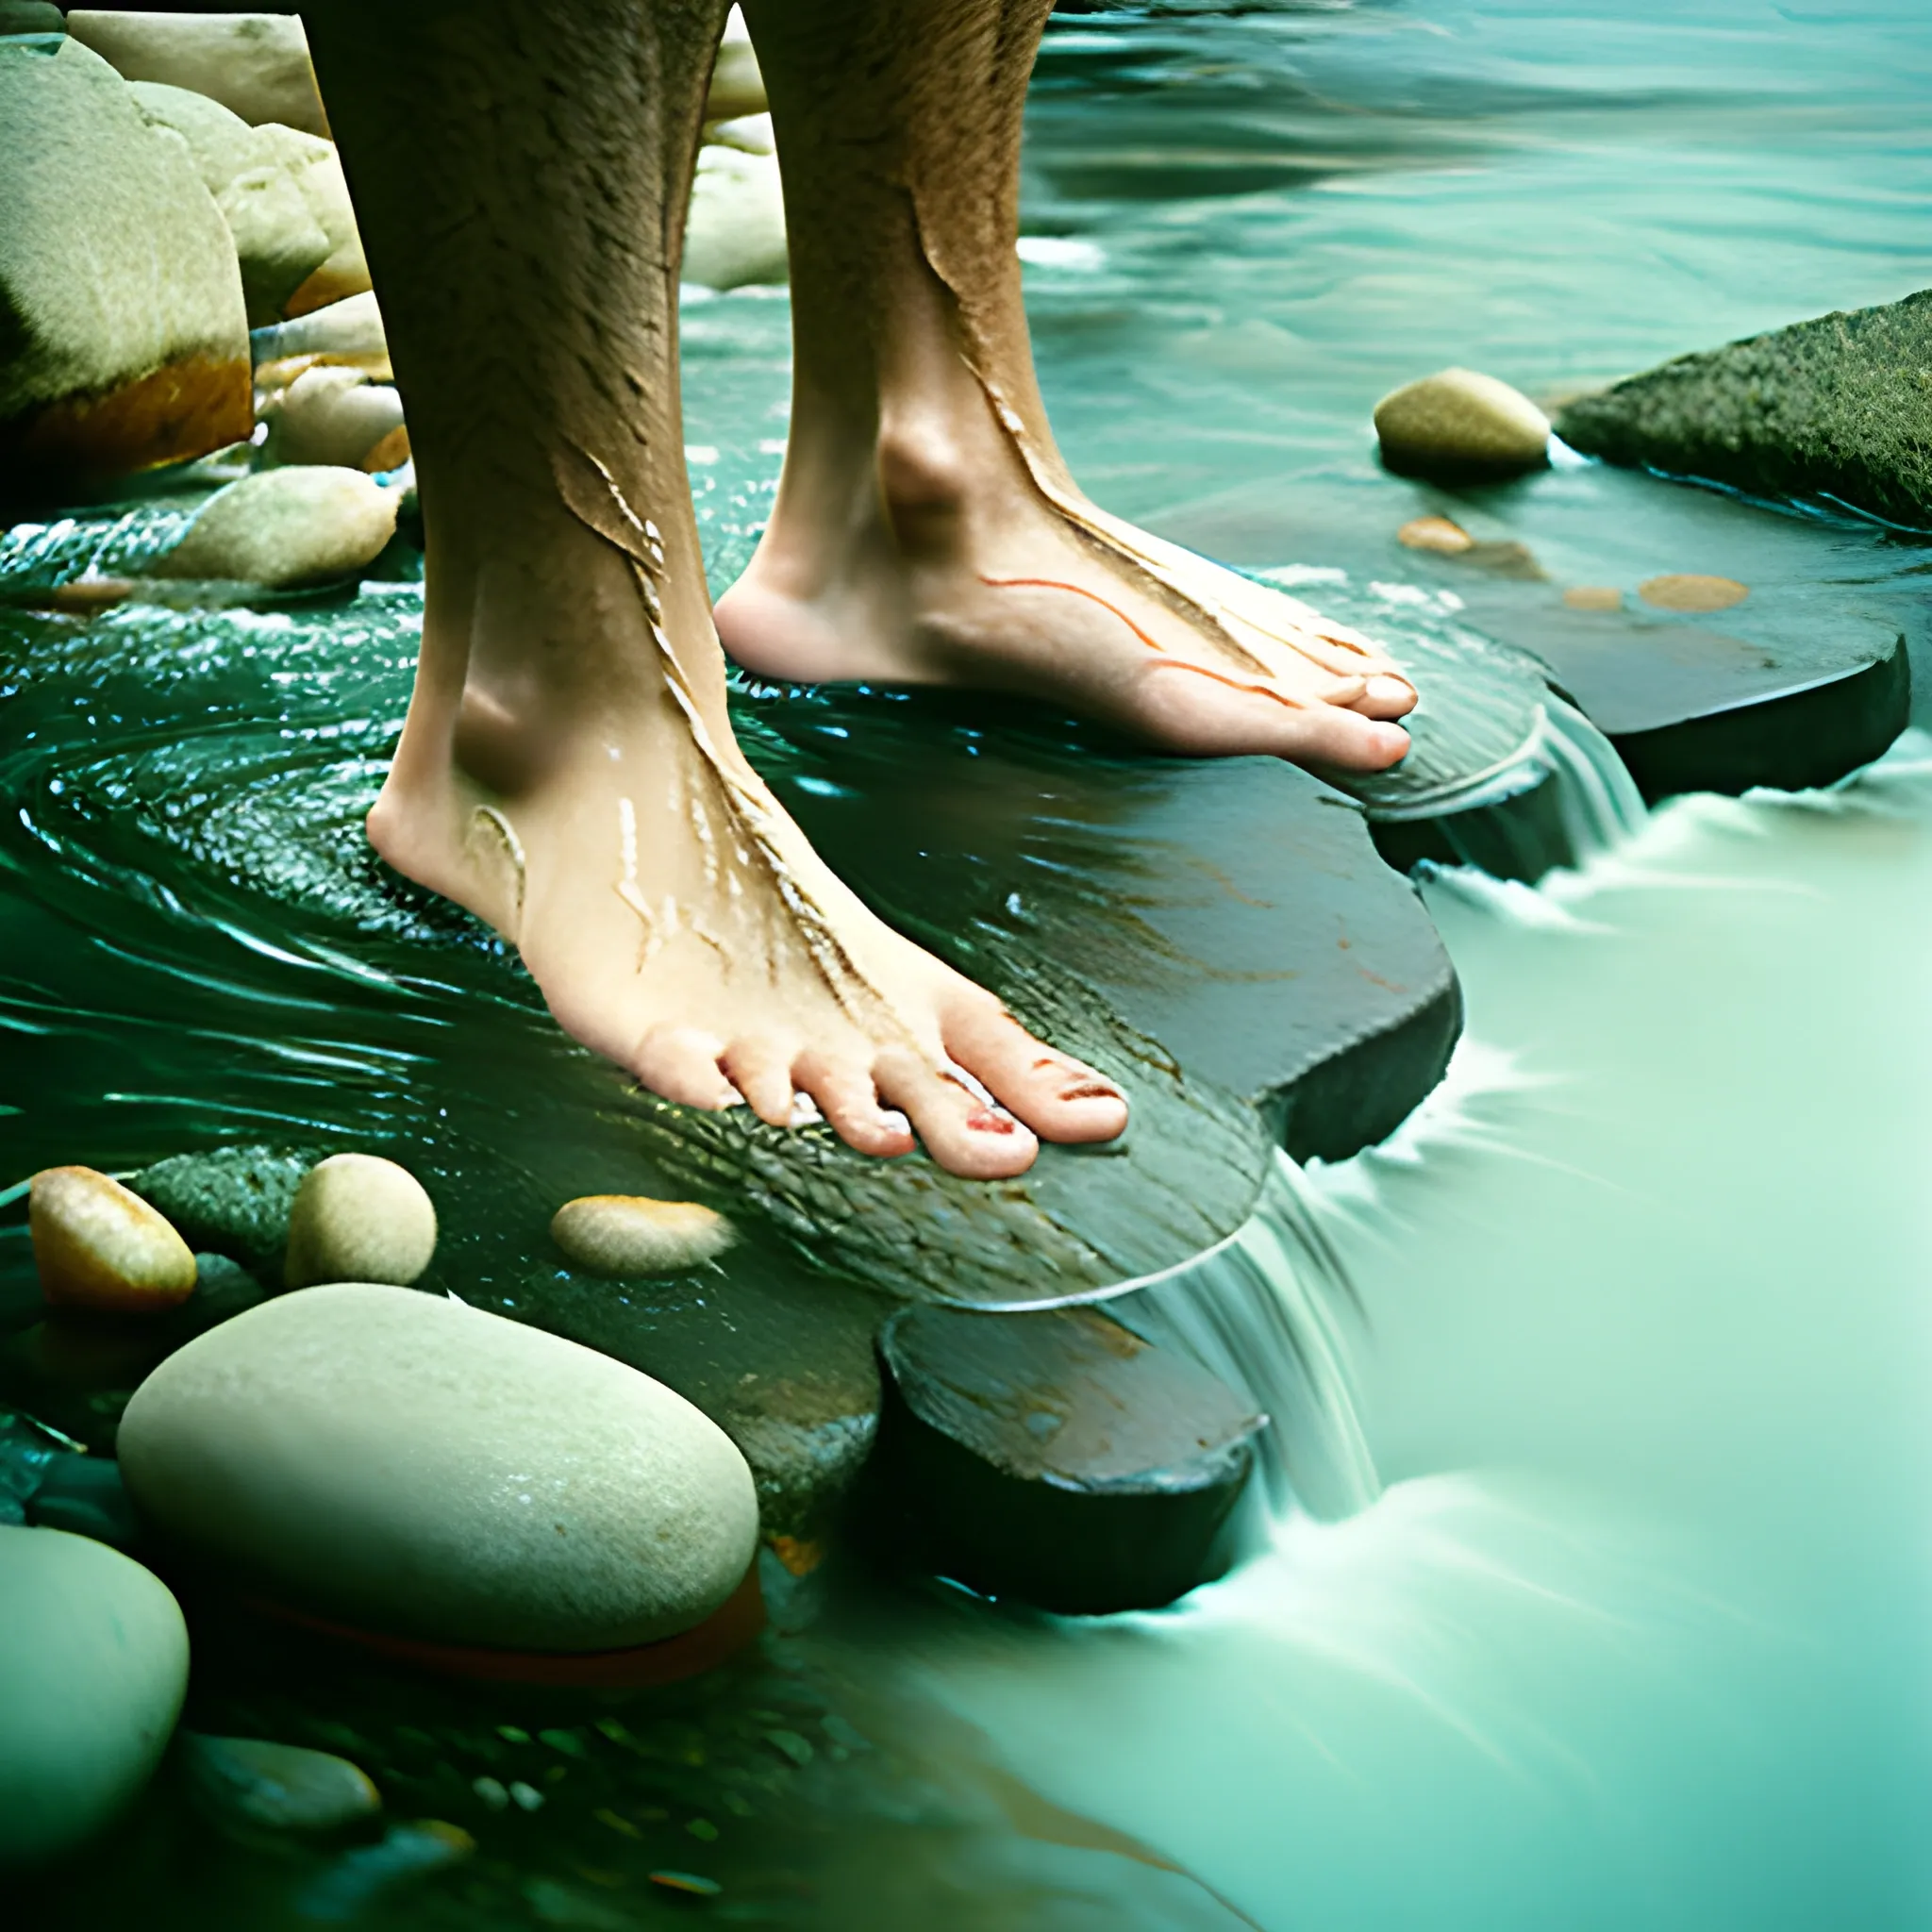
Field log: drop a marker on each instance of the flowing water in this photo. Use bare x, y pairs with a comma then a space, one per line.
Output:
1590, 1586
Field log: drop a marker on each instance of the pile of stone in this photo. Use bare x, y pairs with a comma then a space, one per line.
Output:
315, 1435
170, 186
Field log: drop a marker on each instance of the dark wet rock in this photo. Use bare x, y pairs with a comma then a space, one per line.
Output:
1837, 408
251, 1784
27, 1451
92, 1675
85, 1496
406, 1855
1778, 695
223, 1289
400, 1463
77, 1375
235, 1201
786, 1370
1057, 1458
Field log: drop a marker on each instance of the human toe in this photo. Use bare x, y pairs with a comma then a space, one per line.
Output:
1058, 1097
1386, 694
845, 1095
681, 1063
960, 1130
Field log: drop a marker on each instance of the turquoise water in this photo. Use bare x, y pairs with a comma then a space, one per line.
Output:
1636, 1631
1598, 1594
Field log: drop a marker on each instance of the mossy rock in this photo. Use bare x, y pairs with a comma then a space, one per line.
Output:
1839, 407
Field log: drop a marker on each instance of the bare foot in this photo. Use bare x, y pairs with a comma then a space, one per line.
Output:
941, 555
586, 799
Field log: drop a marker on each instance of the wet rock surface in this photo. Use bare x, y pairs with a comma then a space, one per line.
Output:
121, 277
1057, 1458
1461, 423
1834, 408
92, 1675
286, 529
99, 1248
400, 1463
254, 1784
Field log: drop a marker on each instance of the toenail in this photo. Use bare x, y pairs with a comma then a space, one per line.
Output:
984, 1121
1092, 1090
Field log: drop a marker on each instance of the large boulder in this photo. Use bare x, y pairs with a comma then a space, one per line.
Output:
1840, 407
734, 232
316, 171
279, 240
93, 1672
124, 329
405, 1464
255, 64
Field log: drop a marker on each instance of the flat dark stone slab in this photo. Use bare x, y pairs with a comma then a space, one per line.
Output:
1057, 1458
1837, 408
1763, 693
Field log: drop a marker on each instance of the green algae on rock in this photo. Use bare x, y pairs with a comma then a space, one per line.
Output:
1839, 408
91, 1677
235, 1201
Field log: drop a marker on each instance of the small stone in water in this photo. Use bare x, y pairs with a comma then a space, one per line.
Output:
333, 416
1435, 533
1682, 593
492, 1793
309, 524
252, 1782
525, 1797
360, 1218
617, 1235
84, 1495
1593, 597
789, 1745
1460, 420
99, 1246
406, 1852
687, 1881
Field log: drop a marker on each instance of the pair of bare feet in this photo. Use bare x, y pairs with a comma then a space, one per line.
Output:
568, 770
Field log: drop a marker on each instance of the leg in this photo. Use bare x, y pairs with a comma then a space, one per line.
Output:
927, 529
568, 770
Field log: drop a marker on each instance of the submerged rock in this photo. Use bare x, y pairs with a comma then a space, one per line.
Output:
127, 333
358, 1878
92, 1675
283, 529
617, 1235
357, 1217
402, 1463
233, 1200
99, 1246
1838, 407
1059, 1457
1459, 423
1682, 593
255, 64
278, 241
250, 1784
1438, 534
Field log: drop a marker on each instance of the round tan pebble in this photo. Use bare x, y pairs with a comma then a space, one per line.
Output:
1459, 421
1677, 593
357, 1217
304, 525
631, 1234
1435, 533
98, 1245
1593, 597
333, 416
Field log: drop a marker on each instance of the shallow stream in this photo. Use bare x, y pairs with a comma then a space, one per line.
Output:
1603, 1595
